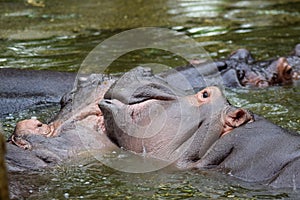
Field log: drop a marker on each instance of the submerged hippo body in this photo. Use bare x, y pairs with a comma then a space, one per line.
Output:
21, 89
257, 152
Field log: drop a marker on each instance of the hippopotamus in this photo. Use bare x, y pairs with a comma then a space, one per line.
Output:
259, 152
240, 69
91, 89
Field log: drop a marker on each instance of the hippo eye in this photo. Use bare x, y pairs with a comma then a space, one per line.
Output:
39, 125
205, 94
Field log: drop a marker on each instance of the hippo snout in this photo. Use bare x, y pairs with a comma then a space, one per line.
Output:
110, 105
105, 104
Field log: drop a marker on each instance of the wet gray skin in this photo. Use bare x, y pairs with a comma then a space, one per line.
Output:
259, 152
149, 117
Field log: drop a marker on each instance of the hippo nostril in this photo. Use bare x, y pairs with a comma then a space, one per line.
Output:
107, 104
107, 101
200, 124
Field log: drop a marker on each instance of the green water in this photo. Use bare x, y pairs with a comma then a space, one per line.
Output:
60, 35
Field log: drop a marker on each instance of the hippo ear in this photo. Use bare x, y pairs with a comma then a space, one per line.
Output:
238, 117
20, 142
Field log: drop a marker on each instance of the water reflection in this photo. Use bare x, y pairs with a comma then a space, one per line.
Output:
64, 37
195, 9
94, 181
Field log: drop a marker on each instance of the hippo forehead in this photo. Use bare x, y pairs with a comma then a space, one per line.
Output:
139, 85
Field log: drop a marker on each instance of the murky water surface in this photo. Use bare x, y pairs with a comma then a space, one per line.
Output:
57, 35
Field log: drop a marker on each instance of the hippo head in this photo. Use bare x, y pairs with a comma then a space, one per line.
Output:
80, 106
143, 114
29, 127
280, 72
